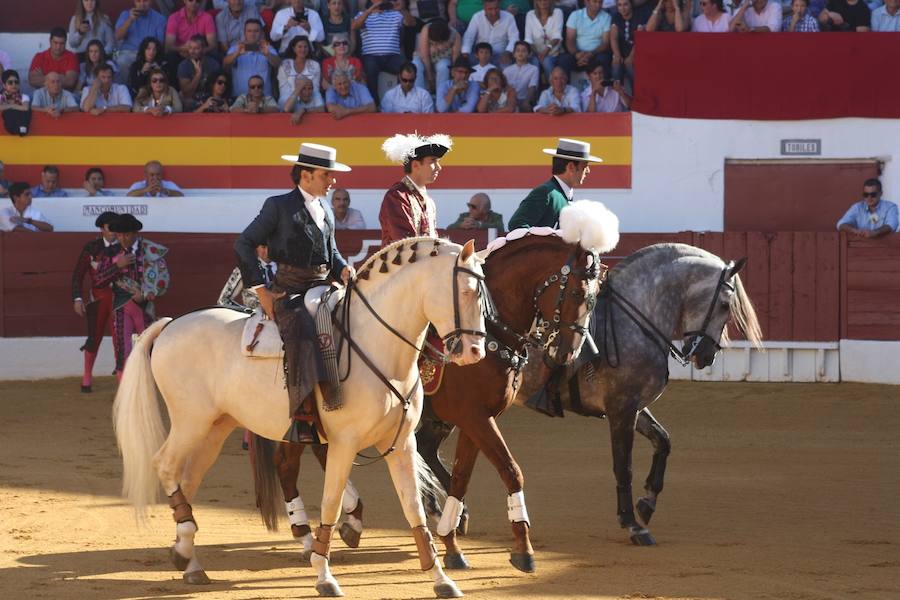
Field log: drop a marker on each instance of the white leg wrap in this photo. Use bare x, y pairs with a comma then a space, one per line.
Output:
515, 508
351, 497
296, 512
453, 509
184, 545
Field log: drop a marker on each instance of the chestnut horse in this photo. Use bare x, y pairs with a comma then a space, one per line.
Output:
657, 294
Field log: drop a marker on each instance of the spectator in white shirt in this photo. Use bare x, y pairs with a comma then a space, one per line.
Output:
20, 215
303, 99
523, 76
604, 95
887, 17
344, 216
494, 26
406, 96
52, 98
560, 98
298, 62
757, 15
104, 95
713, 18
483, 63
544, 32
296, 19
153, 183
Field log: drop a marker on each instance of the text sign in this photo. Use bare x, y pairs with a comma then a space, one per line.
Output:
801, 147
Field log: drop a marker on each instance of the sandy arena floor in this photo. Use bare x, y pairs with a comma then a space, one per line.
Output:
773, 492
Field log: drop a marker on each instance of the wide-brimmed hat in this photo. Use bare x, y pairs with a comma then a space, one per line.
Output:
573, 150
106, 218
462, 62
125, 223
316, 156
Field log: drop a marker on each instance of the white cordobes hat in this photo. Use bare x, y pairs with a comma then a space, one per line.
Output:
573, 150
316, 156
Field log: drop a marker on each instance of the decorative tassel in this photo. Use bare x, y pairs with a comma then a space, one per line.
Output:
364, 274
434, 251
398, 260
384, 268
412, 258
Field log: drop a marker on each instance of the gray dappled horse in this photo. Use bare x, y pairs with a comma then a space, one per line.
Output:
659, 293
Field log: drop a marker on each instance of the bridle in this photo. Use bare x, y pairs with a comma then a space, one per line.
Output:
697, 336
453, 340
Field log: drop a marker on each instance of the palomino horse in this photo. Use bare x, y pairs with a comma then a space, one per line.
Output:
657, 294
219, 389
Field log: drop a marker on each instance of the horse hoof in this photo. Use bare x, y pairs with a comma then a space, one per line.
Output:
523, 562
642, 537
463, 527
178, 560
329, 589
349, 535
447, 589
196, 578
645, 510
455, 561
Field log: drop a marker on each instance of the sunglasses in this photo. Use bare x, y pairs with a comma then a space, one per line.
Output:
341, 43
221, 82
870, 194
407, 80
256, 87
158, 80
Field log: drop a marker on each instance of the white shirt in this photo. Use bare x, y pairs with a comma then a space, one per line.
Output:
287, 76
539, 36
502, 35
607, 101
9, 211
770, 17
522, 77
316, 32
416, 101
314, 206
567, 191
703, 25
479, 71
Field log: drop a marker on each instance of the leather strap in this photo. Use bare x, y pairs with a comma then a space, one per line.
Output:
425, 546
181, 510
321, 544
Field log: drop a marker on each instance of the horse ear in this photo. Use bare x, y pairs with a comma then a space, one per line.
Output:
738, 266
467, 251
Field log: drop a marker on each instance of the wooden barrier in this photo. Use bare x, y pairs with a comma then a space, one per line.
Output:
806, 286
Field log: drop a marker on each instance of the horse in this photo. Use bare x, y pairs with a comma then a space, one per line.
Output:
660, 293
384, 319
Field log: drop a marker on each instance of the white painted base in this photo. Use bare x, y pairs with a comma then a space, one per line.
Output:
50, 357
870, 362
778, 361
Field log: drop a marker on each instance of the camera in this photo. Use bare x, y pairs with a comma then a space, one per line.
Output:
85, 22
300, 17
251, 47
607, 82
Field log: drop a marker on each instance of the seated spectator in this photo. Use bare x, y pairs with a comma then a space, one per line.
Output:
182, 25
887, 17
459, 94
464, 11
93, 56
587, 37
625, 23
230, 23
483, 64
436, 48
479, 215
544, 34
298, 62
255, 100
871, 217
158, 98
253, 56
494, 27
844, 15
800, 19
346, 97
712, 18
341, 61
104, 95
195, 70
344, 216
216, 97
604, 95
560, 98
380, 27
55, 59
149, 57
20, 215
336, 26
497, 96
296, 19
94, 180
523, 76
303, 98
49, 185
406, 97
133, 27
669, 16
12, 98
757, 15
153, 184
52, 99
90, 23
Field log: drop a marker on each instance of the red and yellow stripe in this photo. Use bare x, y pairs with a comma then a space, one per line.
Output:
243, 151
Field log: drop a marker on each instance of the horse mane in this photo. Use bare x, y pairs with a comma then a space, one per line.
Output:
393, 254
744, 314
526, 242
663, 251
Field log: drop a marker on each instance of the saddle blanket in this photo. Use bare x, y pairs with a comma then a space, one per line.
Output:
431, 367
260, 337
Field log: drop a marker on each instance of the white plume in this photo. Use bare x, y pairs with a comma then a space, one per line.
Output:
441, 139
590, 224
401, 146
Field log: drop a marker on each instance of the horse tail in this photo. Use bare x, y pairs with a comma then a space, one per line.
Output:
744, 314
262, 456
138, 423
432, 493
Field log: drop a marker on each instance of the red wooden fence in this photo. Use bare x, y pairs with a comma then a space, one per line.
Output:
794, 278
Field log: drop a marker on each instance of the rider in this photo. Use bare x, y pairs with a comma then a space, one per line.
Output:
236, 295
99, 310
298, 228
407, 210
541, 206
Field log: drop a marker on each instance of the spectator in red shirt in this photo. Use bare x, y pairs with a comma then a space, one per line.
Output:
55, 59
182, 25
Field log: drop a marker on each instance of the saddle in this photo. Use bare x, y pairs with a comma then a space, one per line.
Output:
431, 366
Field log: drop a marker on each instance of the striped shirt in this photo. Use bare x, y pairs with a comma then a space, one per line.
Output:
381, 33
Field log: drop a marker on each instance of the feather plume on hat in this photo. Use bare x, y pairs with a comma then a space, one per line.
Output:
401, 148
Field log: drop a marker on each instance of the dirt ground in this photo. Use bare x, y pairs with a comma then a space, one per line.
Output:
773, 492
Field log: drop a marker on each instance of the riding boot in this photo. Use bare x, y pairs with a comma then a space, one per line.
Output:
302, 430
87, 376
547, 400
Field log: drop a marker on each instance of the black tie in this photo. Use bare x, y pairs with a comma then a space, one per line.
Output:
270, 275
